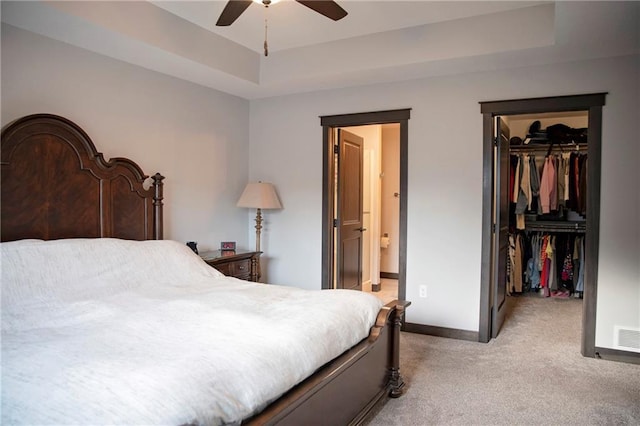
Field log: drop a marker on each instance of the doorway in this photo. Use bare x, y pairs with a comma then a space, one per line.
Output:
330, 125
378, 208
493, 301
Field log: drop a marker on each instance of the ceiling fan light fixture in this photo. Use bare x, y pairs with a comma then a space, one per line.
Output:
266, 3
234, 8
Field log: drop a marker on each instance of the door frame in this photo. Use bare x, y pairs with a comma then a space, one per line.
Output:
329, 123
592, 103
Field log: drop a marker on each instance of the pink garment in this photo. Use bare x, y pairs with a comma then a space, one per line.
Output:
548, 196
544, 273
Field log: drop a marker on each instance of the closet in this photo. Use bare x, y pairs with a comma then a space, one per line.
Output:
518, 128
548, 166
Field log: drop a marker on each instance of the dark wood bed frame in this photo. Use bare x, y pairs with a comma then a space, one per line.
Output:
55, 184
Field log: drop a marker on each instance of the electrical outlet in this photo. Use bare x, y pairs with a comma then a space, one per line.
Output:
423, 291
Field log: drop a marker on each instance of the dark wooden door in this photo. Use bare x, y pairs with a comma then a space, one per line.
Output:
349, 211
501, 227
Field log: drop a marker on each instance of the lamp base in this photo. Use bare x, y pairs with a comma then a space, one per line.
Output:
258, 229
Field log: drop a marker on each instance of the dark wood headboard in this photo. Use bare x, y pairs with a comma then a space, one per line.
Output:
55, 184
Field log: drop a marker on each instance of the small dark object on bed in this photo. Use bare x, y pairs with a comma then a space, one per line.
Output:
193, 245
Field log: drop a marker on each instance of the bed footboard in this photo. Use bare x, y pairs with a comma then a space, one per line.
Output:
345, 390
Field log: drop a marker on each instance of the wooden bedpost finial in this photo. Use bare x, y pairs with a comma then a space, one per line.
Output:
157, 206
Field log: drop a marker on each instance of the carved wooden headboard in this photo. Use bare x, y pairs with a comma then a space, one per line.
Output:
55, 184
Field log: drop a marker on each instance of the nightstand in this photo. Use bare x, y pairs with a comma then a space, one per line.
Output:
241, 264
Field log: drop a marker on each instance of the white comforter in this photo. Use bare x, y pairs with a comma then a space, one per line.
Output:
110, 331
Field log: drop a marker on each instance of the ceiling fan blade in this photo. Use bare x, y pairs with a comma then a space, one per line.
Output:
232, 11
330, 9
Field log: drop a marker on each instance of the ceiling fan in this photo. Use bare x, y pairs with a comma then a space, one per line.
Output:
234, 9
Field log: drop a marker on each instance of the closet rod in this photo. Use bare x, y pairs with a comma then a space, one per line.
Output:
556, 226
545, 147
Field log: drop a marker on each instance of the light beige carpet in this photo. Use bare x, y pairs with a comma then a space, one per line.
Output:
532, 374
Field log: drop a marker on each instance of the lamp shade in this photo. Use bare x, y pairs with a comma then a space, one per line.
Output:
259, 195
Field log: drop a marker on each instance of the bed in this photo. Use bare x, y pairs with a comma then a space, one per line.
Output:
104, 322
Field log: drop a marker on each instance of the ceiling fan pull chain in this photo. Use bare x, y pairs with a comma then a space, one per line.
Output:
266, 47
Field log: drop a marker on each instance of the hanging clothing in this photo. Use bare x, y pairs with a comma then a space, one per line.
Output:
548, 197
576, 179
517, 273
567, 170
574, 174
535, 257
532, 273
511, 259
578, 258
513, 164
582, 185
549, 262
544, 265
524, 192
552, 284
516, 182
563, 179
514, 264
566, 271
534, 181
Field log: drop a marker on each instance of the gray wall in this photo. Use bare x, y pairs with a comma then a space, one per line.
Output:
445, 181
197, 137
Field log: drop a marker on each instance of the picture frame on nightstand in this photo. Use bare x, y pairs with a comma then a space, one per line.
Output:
228, 247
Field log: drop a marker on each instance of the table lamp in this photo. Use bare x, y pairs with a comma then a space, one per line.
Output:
259, 195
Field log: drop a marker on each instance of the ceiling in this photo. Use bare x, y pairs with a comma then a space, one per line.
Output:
378, 41
292, 25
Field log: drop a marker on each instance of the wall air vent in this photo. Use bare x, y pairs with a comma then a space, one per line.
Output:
627, 338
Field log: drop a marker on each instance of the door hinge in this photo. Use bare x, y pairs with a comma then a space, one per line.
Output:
336, 150
335, 223
493, 228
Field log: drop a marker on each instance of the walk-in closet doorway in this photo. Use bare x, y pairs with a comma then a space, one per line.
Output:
494, 302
